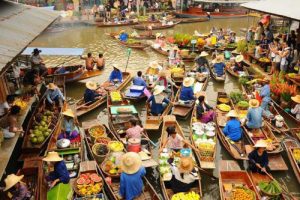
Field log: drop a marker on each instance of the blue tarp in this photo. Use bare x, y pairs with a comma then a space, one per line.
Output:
55, 51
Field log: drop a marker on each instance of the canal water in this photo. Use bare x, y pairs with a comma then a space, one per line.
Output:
95, 40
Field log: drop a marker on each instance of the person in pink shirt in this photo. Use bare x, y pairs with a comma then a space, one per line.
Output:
135, 131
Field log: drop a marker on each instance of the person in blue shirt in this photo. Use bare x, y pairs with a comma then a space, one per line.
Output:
90, 94
187, 93
233, 130
115, 75
258, 158
138, 80
131, 180
54, 96
219, 66
254, 115
69, 129
158, 101
265, 94
60, 173
123, 36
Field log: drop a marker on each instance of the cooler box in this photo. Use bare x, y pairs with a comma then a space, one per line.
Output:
137, 88
133, 94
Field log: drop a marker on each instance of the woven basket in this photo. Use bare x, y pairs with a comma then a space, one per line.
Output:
99, 158
94, 137
77, 191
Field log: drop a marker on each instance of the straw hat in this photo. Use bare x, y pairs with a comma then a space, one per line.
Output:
261, 143
158, 89
239, 58
154, 64
12, 180
296, 98
52, 86
122, 31
175, 48
266, 79
232, 113
69, 113
219, 59
91, 85
115, 66
254, 103
186, 165
203, 54
131, 163
188, 81
157, 35
52, 156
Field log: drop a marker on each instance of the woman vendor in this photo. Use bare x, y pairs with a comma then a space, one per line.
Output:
296, 109
219, 66
158, 101
205, 113
254, 115
131, 180
54, 96
135, 130
238, 64
91, 93
258, 158
233, 129
69, 129
115, 75
19, 189
10, 125
187, 92
164, 80
60, 173
265, 94
202, 66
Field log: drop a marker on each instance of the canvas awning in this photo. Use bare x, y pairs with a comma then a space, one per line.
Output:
282, 8
20, 25
55, 51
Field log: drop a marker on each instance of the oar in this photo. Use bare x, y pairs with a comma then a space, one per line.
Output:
154, 144
83, 105
206, 172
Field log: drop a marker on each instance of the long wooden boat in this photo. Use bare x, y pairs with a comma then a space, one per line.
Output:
135, 45
160, 51
236, 150
295, 133
141, 36
192, 20
83, 108
113, 24
236, 75
155, 26
214, 76
293, 148
288, 115
170, 120
113, 188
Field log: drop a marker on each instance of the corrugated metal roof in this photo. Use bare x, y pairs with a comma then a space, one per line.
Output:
19, 25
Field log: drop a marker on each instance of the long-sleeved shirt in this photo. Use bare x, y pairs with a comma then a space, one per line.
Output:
157, 108
115, 75
265, 93
186, 94
201, 109
219, 68
53, 94
90, 95
131, 185
60, 172
233, 130
254, 117
69, 125
262, 160
201, 61
139, 81
21, 193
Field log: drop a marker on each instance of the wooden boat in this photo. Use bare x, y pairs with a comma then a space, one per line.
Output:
113, 188
291, 147
170, 120
132, 97
113, 24
192, 20
295, 133
234, 149
230, 179
160, 51
135, 45
235, 74
214, 76
83, 108
155, 26
288, 115
141, 36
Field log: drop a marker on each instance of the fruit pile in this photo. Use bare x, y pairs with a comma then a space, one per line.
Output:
111, 167
89, 184
115, 146
19, 102
164, 166
224, 107
97, 131
177, 72
186, 196
115, 96
242, 194
296, 153
223, 100
271, 188
264, 59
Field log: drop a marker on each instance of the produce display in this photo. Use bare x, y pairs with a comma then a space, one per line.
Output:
115, 146
103, 140
164, 166
270, 188
19, 102
236, 97
186, 196
243, 105
177, 72
112, 165
97, 131
223, 100
89, 184
101, 149
115, 96
224, 107
296, 154
242, 193
264, 59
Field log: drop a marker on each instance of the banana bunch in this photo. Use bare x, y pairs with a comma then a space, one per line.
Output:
223, 107
21, 103
188, 196
296, 154
116, 96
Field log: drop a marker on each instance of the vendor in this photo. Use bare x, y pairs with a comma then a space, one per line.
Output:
5, 106
254, 115
258, 158
232, 37
183, 180
69, 129
174, 56
131, 179
219, 66
158, 102
115, 75
90, 94
54, 96
135, 131
238, 64
138, 80
37, 62
60, 173
296, 109
205, 113
31, 80
233, 129
89, 61
164, 80
19, 189
202, 66
123, 36
265, 94
187, 92
10, 125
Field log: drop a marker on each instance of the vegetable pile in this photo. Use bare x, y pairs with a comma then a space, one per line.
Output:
243, 105
89, 184
272, 188
164, 166
186, 196
224, 107
296, 154
115, 96
242, 194
236, 97
115, 146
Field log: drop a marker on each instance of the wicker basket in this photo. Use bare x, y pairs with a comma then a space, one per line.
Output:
99, 158
79, 194
108, 174
103, 140
94, 137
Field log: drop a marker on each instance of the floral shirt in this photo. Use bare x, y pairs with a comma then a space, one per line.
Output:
175, 143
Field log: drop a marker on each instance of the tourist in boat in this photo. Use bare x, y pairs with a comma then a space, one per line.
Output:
182, 179
18, 189
158, 102
89, 61
187, 93
91, 93
60, 173
238, 64
138, 80
296, 109
38, 63
123, 37
165, 81
254, 115
131, 179
174, 56
100, 62
5, 106
265, 95
107, 12
10, 126
258, 158
205, 112
219, 66
274, 54
135, 130
69, 126
233, 129
54, 96
116, 75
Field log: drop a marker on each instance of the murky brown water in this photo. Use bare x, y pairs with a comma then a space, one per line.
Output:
95, 40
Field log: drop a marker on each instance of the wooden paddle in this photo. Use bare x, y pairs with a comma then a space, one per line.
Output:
154, 144
206, 172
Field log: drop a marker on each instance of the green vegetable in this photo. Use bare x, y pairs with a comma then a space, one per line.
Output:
243, 80
236, 97
272, 188
243, 104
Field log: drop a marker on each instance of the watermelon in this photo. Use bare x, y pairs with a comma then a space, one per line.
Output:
96, 179
80, 181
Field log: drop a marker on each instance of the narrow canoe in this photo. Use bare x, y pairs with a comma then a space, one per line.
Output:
155, 26
191, 20
139, 37
83, 108
296, 133
214, 76
234, 74
291, 147
136, 45
160, 51
290, 116
113, 24
170, 120
236, 150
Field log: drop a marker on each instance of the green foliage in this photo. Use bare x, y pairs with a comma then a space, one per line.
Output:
286, 97
183, 39
236, 97
243, 80
242, 46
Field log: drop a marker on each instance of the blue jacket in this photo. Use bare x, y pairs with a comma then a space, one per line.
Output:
186, 94
139, 81
255, 158
219, 68
60, 172
131, 185
115, 75
265, 93
233, 130
157, 108
254, 117
90, 95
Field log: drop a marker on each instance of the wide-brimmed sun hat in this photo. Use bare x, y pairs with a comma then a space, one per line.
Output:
188, 81
239, 58
186, 165
154, 64
232, 113
296, 98
68, 113
91, 85
115, 66
12, 180
131, 163
52, 156
261, 144
175, 48
52, 86
158, 89
203, 54
254, 103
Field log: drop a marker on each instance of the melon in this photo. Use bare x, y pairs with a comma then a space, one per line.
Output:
96, 179
80, 181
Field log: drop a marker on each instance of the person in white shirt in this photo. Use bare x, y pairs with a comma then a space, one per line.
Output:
5, 106
284, 54
296, 109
